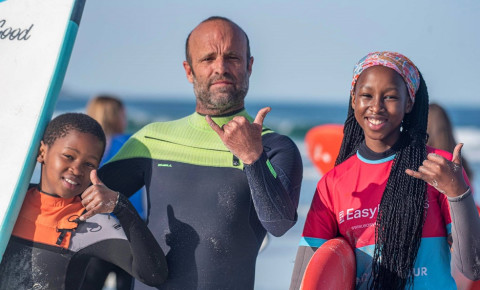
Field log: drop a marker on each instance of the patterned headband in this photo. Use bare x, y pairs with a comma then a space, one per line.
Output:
396, 61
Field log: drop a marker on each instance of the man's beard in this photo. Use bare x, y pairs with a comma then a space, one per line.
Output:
222, 99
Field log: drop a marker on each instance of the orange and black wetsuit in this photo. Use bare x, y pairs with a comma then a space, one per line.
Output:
50, 248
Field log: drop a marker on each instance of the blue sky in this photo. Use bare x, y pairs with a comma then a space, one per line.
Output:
304, 50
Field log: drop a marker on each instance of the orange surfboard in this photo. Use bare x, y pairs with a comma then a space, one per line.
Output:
323, 144
331, 267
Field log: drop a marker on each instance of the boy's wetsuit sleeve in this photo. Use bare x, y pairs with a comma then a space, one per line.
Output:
465, 235
142, 257
274, 181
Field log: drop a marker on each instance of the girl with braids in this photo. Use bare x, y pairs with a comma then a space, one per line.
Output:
399, 203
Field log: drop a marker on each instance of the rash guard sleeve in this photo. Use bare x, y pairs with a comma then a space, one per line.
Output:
274, 181
465, 235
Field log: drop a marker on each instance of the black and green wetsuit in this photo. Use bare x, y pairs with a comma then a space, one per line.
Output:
208, 211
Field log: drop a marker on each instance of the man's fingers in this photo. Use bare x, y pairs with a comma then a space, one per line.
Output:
214, 125
261, 115
94, 178
457, 154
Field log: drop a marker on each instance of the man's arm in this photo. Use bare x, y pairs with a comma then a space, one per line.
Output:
274, 169
275, 181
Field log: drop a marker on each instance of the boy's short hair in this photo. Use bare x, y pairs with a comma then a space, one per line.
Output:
60, 126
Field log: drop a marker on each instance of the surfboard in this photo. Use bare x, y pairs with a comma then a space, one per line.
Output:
323, 144
36, 41
331, 267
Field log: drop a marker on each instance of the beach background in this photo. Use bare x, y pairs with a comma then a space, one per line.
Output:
304, 54
275, 262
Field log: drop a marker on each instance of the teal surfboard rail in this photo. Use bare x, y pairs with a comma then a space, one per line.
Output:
45, 115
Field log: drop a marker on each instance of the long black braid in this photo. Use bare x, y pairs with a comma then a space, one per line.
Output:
401, 215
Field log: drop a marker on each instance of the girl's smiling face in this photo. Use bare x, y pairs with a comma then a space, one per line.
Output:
380, 102
67, 163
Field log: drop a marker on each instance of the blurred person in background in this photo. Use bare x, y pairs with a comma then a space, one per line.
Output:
109, 111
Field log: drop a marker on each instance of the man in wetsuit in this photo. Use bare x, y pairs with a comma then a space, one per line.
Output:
217, 180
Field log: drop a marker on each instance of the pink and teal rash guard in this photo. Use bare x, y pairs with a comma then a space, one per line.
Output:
346, 203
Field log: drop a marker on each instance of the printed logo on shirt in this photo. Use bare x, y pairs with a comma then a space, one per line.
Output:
117, 226
352, 214
420, 271
417, 272
164, 165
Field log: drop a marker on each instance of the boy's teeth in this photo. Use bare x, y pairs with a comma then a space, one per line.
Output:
70, 181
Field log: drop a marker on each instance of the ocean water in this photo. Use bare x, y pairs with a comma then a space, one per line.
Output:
275, 263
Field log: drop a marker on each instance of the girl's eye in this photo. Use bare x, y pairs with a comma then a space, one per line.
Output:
69, 157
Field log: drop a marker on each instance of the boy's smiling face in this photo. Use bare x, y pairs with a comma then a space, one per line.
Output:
67, 163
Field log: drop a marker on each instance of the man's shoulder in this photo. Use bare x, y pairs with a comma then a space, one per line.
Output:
275, 139
161, 128
165, 124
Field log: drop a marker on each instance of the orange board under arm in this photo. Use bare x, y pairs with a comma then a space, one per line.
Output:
331, 267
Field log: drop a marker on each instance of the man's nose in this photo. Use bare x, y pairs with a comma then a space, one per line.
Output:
220, 66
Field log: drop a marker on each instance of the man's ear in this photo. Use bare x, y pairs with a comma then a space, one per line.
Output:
41, 152
188, 71
250, 65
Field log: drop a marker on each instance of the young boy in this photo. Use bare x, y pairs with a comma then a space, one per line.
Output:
52, 241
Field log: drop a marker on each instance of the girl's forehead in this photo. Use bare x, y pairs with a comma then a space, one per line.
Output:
380, 72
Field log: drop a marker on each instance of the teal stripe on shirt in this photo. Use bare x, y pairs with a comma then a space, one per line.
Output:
311, 242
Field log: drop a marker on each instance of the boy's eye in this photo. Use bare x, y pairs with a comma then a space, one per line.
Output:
70, 157
91, 165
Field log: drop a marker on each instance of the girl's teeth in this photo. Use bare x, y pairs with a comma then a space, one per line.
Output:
375, 122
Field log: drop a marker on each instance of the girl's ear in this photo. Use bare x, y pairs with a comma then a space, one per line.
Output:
41, 152
409, 107
353, 101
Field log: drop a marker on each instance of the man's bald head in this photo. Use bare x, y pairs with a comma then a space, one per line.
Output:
215, 18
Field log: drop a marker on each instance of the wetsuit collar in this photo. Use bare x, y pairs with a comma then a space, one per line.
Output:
368, 156
198, 120
47, 219
52, 200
